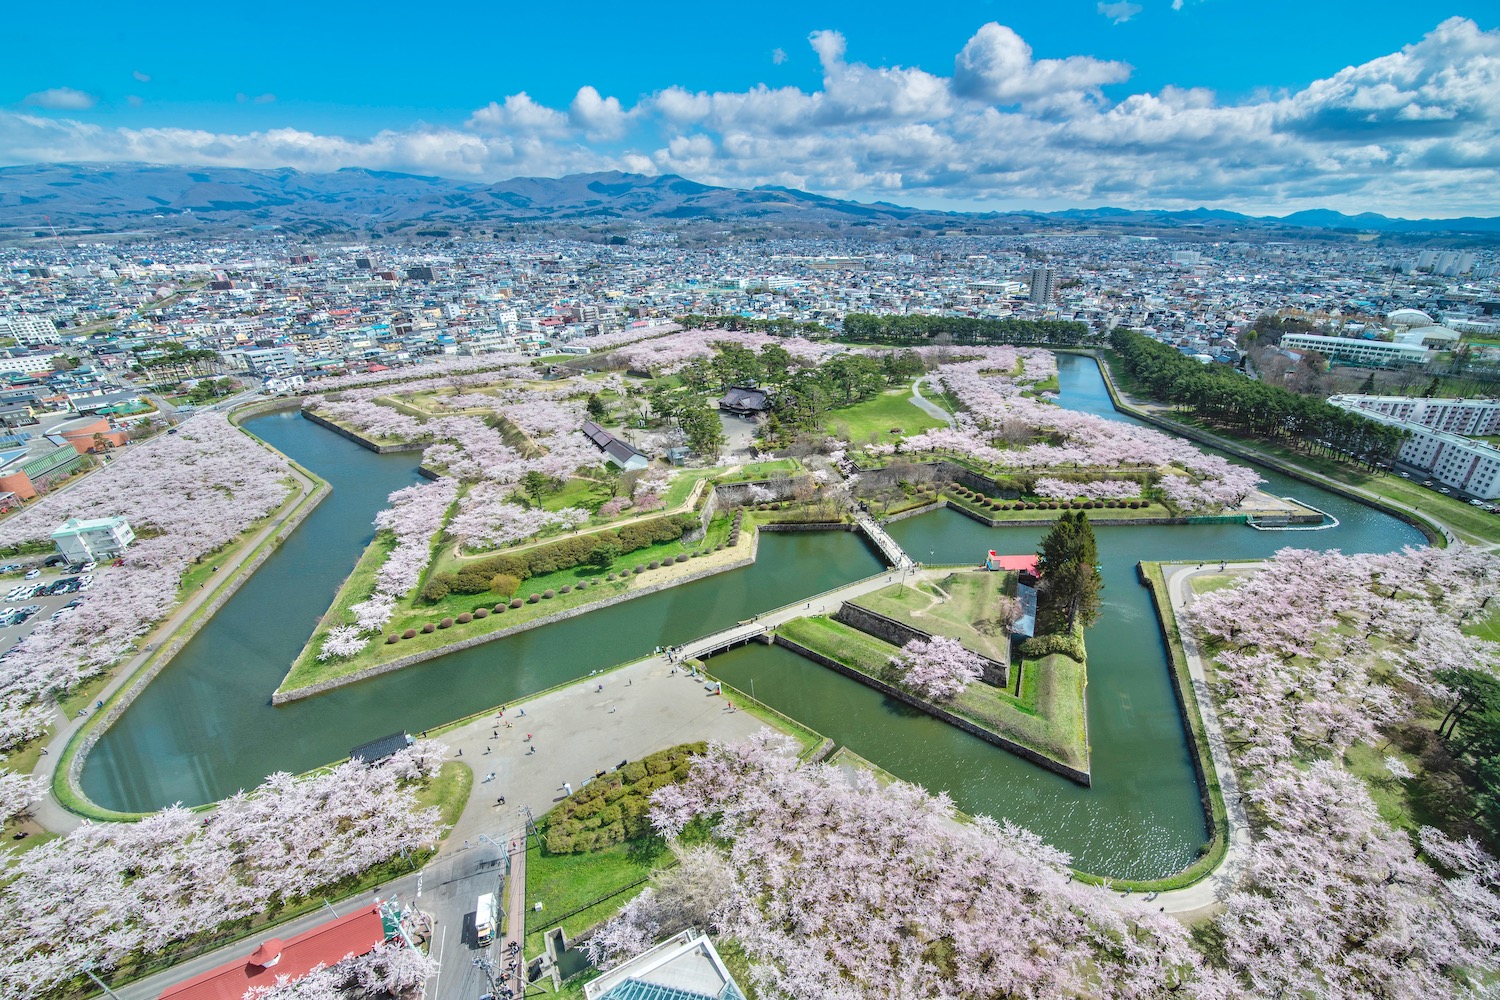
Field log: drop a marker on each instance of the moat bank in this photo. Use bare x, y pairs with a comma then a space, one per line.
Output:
204, 728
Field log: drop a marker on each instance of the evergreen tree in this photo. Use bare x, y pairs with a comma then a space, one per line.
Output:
1069, 561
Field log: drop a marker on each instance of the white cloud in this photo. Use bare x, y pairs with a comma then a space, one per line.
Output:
996, 66
1120, 12
778, 56
600, 117
244, 98
1413, 133
519, 113
141, 77
61, 99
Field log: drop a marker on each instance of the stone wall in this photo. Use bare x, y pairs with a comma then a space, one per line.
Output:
989, 736
283, 697
899, 634
363, 442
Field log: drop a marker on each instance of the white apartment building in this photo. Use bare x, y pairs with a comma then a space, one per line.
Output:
1457, 416
30, 330
1456, 461
1367, 352
90, 541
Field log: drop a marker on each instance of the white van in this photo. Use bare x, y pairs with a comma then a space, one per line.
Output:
486, 917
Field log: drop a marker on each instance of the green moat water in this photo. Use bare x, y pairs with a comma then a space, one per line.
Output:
205, 727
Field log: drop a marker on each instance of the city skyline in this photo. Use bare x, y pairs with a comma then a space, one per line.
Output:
1171, 104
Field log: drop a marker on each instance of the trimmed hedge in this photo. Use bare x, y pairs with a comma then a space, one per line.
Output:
616, 808
410, 633
560, 555
1069, 644
464, 618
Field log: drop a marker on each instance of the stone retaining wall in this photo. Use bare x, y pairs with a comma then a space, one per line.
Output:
1198, 751
297, 694
989, 736
899, 634
1037, 522
363, 442
782, 526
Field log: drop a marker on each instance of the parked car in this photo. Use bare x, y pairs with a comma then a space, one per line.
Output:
89, 566
1444, 490
10, 567
32, 574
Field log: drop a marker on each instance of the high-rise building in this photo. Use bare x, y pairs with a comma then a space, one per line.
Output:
1043, 283
29, 330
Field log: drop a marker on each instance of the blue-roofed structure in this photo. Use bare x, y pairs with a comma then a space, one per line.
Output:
683, 967
1026, 624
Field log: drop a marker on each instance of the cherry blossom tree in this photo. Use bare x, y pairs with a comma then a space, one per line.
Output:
845, 889
141, 886
938, 668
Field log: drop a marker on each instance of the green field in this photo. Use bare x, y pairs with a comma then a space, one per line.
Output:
960, 606
1047, 716
874, 420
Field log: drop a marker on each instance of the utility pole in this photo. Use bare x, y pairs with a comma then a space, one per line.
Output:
88, 970
487, 967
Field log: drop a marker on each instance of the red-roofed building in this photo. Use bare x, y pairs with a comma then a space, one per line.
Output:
1027, 566
326, 944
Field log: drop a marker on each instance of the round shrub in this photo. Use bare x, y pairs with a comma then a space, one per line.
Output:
719, 547
446, 623
410, 633
464, 618
639, 570
548, 594
565, 589
429, 628
393, 637
1052, 505
610, 577
654, 564
515, 602
481, 612
534, 598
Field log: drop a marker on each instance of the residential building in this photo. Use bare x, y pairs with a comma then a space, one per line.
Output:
1043, 284
1457, 462
616, 452
1472, 417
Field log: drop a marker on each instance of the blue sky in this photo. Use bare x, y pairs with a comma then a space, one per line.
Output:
1263, 106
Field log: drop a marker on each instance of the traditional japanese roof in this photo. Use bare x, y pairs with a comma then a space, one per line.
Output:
745, 398
620, 451
327, 944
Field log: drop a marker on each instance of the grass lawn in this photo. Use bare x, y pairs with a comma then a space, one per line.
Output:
960, 606
1487, 628
874, 420
599, 881
1209, 584
449, 790
413, 613
1044, 514
756, 471
1051, 723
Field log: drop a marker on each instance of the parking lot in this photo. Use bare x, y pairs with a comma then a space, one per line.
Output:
1424, 479
21, 612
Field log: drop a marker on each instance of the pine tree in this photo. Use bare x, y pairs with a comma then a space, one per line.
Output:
1069, 562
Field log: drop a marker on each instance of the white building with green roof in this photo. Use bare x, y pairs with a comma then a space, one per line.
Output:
82, 541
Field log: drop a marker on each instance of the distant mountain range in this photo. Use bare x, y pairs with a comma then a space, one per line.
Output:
137, 198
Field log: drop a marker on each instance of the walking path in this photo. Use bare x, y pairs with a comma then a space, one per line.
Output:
515, 919
48, 812
1205, 893
928, 407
